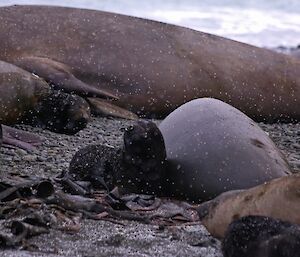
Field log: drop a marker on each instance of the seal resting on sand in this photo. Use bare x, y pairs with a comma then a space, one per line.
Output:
150, 66
278, 199
27, 98
202, 149
212, 147
259, 236
136, 166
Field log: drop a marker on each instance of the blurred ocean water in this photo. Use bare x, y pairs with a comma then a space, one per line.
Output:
268, 23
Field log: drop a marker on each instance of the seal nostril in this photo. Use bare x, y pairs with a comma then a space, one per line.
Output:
82, 122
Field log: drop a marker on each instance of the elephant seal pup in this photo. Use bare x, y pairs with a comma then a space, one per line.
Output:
27, 98
60, 112
98, 164
278, 199
212, 147
138, 166
261, 236
151, 67
144, 159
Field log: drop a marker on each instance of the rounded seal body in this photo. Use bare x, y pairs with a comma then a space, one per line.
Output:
212, 147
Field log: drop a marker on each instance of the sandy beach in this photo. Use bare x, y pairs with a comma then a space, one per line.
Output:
273, 25
103, 238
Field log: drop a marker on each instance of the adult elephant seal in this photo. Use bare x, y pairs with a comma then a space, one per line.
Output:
27, 98
278, 199
212, 147
150, 66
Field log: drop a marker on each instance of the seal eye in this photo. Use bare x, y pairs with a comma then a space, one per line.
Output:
130, 128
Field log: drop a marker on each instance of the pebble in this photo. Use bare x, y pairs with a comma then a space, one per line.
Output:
30, 158
20, 152
296, 146
41, 159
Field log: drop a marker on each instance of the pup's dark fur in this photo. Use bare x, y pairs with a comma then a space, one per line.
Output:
259, 236
144, 157
61, 112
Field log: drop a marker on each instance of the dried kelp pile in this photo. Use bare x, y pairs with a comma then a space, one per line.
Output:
31, 206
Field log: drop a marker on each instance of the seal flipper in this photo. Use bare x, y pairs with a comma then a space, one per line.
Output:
60, 75
102, 107
19, 138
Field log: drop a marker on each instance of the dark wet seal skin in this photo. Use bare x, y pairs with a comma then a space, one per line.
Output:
213, 147
137, 167
61, 112
260, 236
144, 158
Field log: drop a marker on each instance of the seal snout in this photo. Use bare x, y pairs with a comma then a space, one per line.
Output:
143, 139
73, 126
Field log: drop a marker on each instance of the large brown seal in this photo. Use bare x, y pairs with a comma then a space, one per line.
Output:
27, 98
212, 147
278, 199
152, 67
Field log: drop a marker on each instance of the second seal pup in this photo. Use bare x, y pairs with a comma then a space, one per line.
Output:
25, 97
261, 236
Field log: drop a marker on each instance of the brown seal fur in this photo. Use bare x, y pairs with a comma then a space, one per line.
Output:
27, 98
278, 199
212, 147
152, 67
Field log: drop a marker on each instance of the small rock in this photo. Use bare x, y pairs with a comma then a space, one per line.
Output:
41, 159
296, 146
30, 158
21, 152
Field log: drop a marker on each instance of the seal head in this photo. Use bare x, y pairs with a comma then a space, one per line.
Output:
61, 112
144, 157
